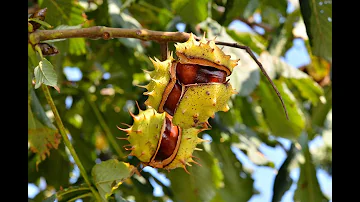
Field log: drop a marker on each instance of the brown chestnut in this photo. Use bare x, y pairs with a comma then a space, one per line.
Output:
168, 141
173, 99
193, 73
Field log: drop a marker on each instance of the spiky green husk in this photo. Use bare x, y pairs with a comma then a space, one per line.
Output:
207, 51
189, 140
144, 134
200, 102
160, 78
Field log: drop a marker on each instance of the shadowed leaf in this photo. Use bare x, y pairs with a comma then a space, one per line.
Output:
308, 188
203, 181
317, 17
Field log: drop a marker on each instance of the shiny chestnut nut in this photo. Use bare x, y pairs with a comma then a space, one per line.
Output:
193, 73
158, 143
194, 87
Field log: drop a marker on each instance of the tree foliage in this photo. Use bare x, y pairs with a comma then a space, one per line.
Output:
78, 112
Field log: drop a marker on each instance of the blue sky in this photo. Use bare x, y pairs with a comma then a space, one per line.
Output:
263, 176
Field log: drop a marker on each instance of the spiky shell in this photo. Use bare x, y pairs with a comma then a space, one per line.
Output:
189, 140
160, 78
204, 53
200, 102
144, 134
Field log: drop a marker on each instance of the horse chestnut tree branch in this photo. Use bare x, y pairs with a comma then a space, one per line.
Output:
106, 33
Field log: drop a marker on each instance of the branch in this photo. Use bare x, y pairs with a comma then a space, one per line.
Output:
67, 141
107, 33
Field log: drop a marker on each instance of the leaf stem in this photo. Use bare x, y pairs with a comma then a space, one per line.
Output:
67, 141
105, 127
80, 196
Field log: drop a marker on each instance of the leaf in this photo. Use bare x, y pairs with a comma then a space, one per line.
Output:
238, 184
283, 181
77, 46
308, 188
274, 113
67, 12
123, 20
276, 68
52, 198
56, 168
45, 74
38, 111
42, 139
317, 17
42, 134
255, 42
319, 113
203, 181
191, 12
245, 76
282, 37
71, 192
109, 175
43, 23
249, 144
233, 10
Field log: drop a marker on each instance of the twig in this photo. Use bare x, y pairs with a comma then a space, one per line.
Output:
164, 49
67, 141
106, 33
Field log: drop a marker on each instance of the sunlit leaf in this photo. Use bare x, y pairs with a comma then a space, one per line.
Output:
45, 74
274, 112
109, 175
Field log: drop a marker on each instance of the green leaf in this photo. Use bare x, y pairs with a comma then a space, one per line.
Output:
52, 198
42, 139
72, 192
274, 113
39, 111
255, 42
43, 23
203, 181
67, 12
109, 175
238, 184
308, 188
191, 12
56, 168
233, 10
282, 37
45, 74
317, 17
319, 113
276, 68
309, 89
283, 181
77, 46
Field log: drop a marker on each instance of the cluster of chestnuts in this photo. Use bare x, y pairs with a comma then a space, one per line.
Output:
182, 95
